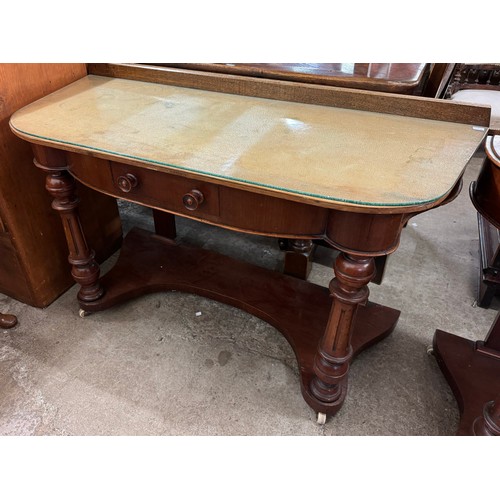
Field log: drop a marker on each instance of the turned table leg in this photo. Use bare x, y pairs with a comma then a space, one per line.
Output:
331, 365
61, 185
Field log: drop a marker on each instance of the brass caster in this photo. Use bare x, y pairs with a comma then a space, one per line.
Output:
321, 418
82, 313
430, 350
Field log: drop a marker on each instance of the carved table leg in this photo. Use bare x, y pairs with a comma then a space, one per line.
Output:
298, 258
331, 364
7, 320
62, 187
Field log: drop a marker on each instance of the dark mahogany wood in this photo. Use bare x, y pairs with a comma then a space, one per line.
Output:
485, 195
223, 206
473, 368
485, 192
61, 185
7, 320
164, 224
155, 263
298, 309
473, 376
298, 258
359, 235
331, 363
489, 423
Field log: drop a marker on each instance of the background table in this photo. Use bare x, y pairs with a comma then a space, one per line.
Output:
399, 78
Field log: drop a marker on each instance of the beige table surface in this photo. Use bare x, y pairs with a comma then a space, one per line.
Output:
325, 153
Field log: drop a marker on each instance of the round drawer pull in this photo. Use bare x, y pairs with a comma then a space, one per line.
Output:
127, 182
193, 199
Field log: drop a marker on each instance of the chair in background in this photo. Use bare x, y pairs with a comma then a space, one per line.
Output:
477, 84
480, 84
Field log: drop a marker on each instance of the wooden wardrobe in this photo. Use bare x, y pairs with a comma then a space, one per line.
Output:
34, 266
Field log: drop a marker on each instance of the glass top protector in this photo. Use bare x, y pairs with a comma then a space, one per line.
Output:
325, 153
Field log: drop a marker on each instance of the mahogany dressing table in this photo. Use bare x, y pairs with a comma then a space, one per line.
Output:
283, 159
473, 368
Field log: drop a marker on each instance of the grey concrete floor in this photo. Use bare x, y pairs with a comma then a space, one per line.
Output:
177, 364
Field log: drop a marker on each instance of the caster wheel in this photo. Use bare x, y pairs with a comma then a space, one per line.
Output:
430, 351
82, 313
321, 418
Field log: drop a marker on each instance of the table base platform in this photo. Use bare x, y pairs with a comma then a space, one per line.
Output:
473, 375
298, 309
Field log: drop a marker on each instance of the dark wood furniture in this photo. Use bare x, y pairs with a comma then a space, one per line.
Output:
33, 252
473, 368
480, 84
156, 138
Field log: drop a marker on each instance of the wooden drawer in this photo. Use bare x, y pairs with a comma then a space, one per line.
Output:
164, 190
222, 205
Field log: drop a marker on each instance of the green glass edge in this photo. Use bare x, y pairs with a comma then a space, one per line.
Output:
219, 176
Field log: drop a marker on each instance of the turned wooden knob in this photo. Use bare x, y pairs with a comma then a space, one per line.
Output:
193, 199
127, 182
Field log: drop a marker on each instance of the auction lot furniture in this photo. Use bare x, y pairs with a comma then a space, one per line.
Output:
473, 368
33, 253
282, 159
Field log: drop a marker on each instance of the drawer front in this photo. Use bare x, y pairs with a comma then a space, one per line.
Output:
170, 192
221, 205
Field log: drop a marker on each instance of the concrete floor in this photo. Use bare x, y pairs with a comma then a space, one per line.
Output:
156, 366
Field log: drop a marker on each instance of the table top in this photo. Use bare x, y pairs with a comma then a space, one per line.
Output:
332, 155
406, 78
